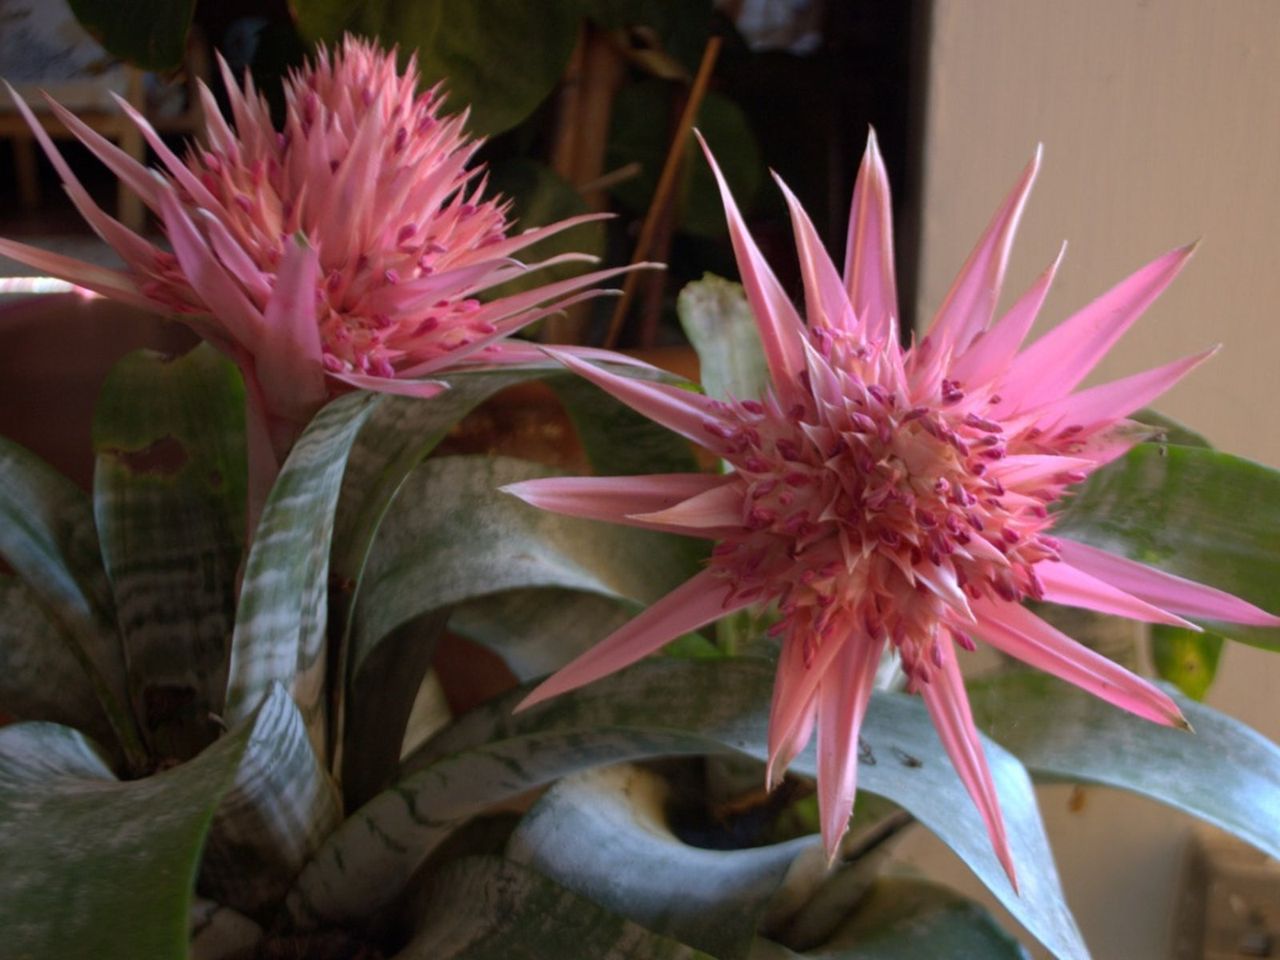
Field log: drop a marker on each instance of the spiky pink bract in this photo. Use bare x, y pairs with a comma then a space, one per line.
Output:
889, 498
346, 249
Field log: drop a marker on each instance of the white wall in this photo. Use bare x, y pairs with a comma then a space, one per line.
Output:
1161, 124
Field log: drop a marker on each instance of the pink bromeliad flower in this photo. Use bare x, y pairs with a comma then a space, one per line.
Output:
889, 498
346, 250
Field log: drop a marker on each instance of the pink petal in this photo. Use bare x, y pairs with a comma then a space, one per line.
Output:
795, 686
222, 296
684, 412
1112, 401
521, 351
1063, 583
1053, 365
129, 170
948, 705
789, 748
413, 295
842, 703
629, 500
1032, 469
493, 349
990, 354
397, 386
511, 313
234, 258
1115, 441
824, 382
128, 244
971, 301
345, 208
172, 162
868, 263
719, 507
216, 130
1021, 634
512, 244
288, 357
1165, 589
825, 298
780, 326
697, 602
941, 580
109, 283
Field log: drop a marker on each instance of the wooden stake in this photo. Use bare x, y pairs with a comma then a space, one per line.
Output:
663, 195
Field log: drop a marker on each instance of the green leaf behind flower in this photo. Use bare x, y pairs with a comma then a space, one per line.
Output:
281, 620
1201, 514
47, 536
150, 34
477, 541
40, 677
169, 492
497, 58
1223, 773
588, 824
487, 908
97, 869
665, 708
719, 323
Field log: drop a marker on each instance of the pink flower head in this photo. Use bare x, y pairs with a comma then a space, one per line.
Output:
347, 249
889, 498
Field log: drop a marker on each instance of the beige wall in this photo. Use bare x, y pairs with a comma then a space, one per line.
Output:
1161, 124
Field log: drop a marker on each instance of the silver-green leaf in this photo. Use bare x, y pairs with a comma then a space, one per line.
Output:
1224, 772
664, 708
169, 489
281, 621
486, 908
587, 826
47, 535
95, 868
274, 816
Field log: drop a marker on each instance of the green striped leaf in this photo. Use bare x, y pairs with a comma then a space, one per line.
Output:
666, 708
277, 810
536, 630
1201, 514
452, 535
280, 624
486, 908
387, 687
169, 492
1225, 773
451, 539
95, 868
398, 434
40, 677
47, 535
587, 825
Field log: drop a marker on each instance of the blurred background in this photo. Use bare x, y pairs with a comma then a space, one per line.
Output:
1161, 125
